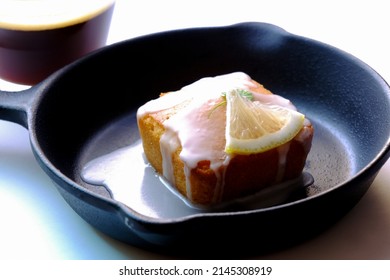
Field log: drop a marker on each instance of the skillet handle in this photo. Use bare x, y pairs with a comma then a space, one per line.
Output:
14, 106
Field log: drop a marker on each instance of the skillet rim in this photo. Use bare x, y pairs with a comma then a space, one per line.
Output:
373, 166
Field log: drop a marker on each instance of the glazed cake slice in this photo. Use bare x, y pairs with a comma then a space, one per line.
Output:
183, 136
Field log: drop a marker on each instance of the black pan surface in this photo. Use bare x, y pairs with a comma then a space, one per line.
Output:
88, 109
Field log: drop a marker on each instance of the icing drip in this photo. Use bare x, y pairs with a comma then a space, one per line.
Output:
283, 152
201, 135
168, 144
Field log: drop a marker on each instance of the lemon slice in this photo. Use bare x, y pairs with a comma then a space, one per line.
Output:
255, 127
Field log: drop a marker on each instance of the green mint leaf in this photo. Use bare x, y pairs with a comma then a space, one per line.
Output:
244, 93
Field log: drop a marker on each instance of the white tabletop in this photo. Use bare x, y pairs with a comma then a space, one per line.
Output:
36, 223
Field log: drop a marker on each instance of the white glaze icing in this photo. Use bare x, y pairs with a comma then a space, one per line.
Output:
201, 135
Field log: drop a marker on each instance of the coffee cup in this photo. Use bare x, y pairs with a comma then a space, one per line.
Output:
37, 37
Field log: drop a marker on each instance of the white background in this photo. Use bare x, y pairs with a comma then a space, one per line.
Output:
37, 224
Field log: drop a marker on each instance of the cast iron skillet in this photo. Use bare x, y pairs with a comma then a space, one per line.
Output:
68, 116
